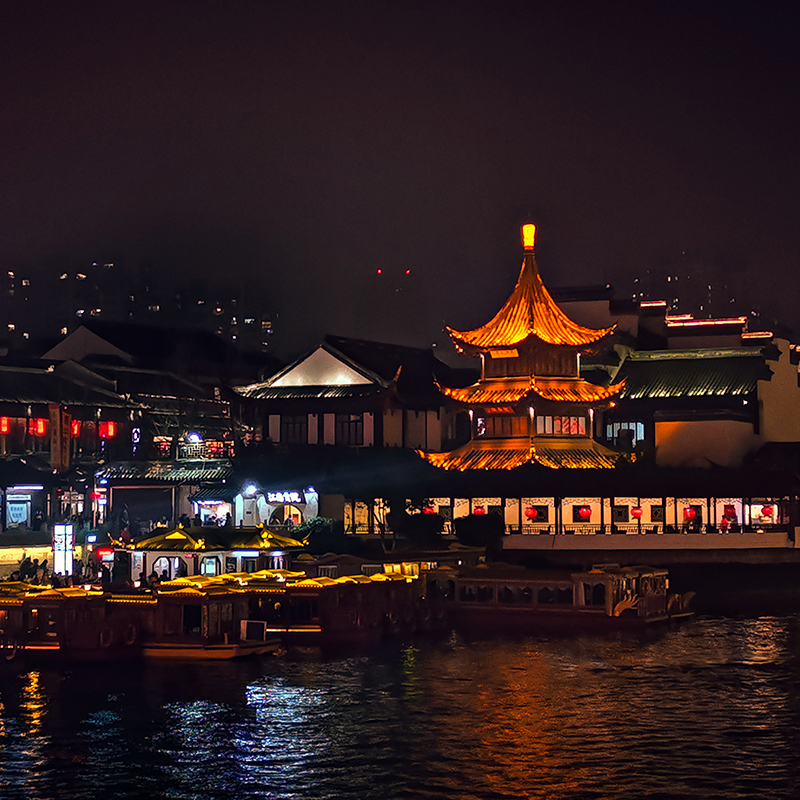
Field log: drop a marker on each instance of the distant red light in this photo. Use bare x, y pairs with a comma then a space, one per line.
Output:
428, 510
75, 427
408, 272
108, 430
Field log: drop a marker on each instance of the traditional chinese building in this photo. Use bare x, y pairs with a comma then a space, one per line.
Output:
531, 403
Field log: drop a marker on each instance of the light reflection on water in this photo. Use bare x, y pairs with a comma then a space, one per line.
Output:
711, 709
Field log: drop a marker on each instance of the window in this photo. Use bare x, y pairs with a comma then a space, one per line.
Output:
616, 431
561, 426
501, 427
294, 429
350, 429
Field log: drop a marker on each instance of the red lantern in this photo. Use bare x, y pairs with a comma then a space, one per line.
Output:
108, 430
531, 512
5, 425
428, 510
479, 510
767, 511
636, 512
689, 513
584, 512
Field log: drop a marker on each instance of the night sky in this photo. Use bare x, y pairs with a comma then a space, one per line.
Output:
298, 147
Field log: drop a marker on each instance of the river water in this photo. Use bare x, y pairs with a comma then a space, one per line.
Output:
709, 709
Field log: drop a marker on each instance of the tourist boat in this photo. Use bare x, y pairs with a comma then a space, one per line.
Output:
70, 624
194, 618
607, 597
340, 611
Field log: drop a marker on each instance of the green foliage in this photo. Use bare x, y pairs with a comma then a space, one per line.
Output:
326, 535
480, 531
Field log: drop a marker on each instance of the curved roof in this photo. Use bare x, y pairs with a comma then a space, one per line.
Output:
552, 452
529, 311
564, 390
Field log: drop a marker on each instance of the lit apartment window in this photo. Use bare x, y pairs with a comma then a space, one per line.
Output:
63, 331
154, 307
80, 277
63, 277
10, 274
26, 282
12, 326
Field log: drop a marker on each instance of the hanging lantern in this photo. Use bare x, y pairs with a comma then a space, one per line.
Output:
531, 512
767, 511
479, 510
584, 512
636, 512
689, 513
428, 510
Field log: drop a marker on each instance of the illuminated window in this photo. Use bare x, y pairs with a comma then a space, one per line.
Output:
80, 277
26, 282
5, 425
615, 431
37, 427
11, 326
560, 425
162, 446
75, 427
501, 427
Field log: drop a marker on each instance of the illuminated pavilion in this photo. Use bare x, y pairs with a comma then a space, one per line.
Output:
530, 403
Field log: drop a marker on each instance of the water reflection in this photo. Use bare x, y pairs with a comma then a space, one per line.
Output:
711, 709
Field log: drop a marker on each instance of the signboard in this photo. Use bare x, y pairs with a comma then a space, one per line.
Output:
285, 497
63, 545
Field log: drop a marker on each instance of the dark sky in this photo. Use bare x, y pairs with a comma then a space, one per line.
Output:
297, 147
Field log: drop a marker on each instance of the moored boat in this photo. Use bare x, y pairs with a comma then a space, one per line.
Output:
607, 597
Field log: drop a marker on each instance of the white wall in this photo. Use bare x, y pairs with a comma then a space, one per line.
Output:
704, 442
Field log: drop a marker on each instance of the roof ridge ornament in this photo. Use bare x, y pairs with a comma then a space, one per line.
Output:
529, 311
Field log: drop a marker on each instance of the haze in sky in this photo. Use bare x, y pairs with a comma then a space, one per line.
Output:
297, 148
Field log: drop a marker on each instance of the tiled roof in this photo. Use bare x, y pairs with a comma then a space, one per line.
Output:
260, 391
26, 385
502, 392
168, 471
692, 375
563, 453
529, 311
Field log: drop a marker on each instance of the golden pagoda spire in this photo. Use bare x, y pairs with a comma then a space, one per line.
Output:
529, 311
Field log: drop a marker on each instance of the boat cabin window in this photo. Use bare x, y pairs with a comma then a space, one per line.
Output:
505, 595
594, 595
191, 619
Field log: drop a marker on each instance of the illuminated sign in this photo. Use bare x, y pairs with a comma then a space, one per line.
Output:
284, 497
105, 553
63, 545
